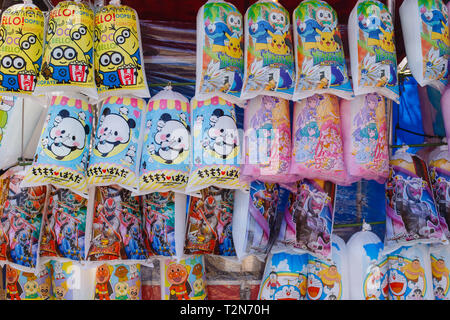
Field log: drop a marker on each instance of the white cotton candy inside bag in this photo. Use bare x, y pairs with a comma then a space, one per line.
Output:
240, 221
339, 253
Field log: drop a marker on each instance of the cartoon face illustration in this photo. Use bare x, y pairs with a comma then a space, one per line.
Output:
234, 22
128, 41
315, 287
277, 19
176, 274
31, 288
327, 41
44, 290
278, 44
60, 292
387, 41
134, 292
414, 189
397, 282
287, 292
102, 274
199, 287
110, 61
121, 289
62, 55
32, 47
223, 133
324, 17
10, 66
234, 49
81, 36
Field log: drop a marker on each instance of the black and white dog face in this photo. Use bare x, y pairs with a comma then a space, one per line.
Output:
172, 136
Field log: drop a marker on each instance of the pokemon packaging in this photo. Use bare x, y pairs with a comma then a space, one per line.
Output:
372, 50
209, 223
216, 144
68, 59
22, 285
62, 154
319, 52
285, 277
367, 266
118, 282
440, 260
21, 48
267, 140
119, 61
411, 214
308, 220
364, 133
114, 158
167, 146
21, 221
220, 51
63, 235
117, 227
410, 275
317, 140
427, 42
184, 279
269, 51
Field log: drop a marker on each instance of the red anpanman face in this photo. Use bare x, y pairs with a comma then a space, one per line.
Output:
102, 274
11, 274
176, 273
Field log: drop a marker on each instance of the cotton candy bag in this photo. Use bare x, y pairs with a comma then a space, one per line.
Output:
62, 154
166, 151
426, 34
22, 285
118, 282
269, 60
21, 48
220, 51
69, 281
372, 50
319, 52
440, 259
364, 133
117, 144
119, 60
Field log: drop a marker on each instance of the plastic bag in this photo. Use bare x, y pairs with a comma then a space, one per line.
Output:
119, 61
319, 52
440, 260
118, 282
114, 158
445, 107
166, 144
426, 33
21, 48
364, 133
220, 51
209, 223
372, 50
410, 276
69, 281
368, 266
269, 59
411, 215
285, 277
22, 285
68, 59
267, 140
184, 279
216, 146
317, 140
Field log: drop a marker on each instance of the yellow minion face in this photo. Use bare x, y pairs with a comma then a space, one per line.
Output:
121, 289
12, 64
62, 55
31, 287
82, 37
127, 40
110, 61
31, 45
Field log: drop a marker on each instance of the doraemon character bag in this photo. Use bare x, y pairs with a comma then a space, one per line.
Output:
68, 60
216, 146
285, 277
62, 154
317, 140
167, 146
114, 158
119, 61
118, 282
220, 51
440, 261
21, 48
269, 58
184, 279
426, 33
22, 285
372, 50
319, 52
364, 133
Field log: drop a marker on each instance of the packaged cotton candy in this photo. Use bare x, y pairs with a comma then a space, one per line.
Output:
364, 132
317, 140
165, 222
184, 279
309, 219
319, 52
410, 276
209, 223
117, 227
68, 59
368, 266
21, 48
167, 146
411, 215
285, 277
439, 172
118, 282
269, 59
22, 285
21, 221
220, 51
426, 33
119, 61
440, 260
267, 140
216, 146
69, 281
114, 158
372, 50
